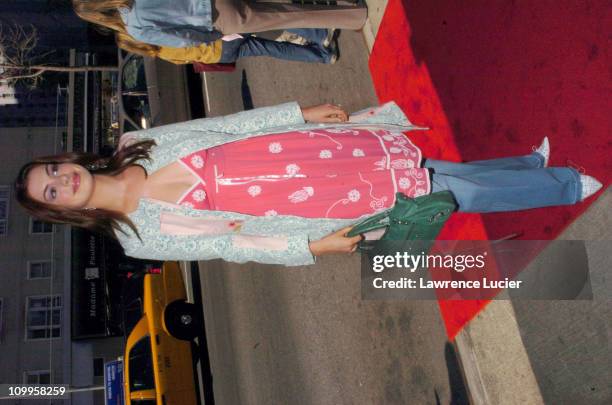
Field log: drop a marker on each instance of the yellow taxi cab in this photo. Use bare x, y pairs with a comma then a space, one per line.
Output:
158, 365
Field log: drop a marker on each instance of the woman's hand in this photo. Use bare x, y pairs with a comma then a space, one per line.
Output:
336, 242
324, 113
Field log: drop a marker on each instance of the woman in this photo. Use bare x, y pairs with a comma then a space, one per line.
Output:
274, 185
186, 23
321, 48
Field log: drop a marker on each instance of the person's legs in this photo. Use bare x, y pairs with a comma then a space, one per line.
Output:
495, 190
254, 46
230, 50
238, 16
314, 35
533, 161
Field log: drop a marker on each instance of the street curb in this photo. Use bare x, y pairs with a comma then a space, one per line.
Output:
369, 35
494, 361
474, 384
376, 11
509, 377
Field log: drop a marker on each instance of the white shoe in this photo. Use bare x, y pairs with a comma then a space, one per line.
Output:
543, 150
329, 38
590, 186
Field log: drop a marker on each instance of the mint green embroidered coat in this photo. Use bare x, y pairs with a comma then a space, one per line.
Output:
214, 234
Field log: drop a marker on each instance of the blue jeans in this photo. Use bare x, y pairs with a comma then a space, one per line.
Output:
507, 184
255, 46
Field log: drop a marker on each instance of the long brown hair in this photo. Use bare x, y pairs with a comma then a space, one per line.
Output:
127, 43
102, 12
105, 14
98, 220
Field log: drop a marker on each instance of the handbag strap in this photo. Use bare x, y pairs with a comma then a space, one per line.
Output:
372, 223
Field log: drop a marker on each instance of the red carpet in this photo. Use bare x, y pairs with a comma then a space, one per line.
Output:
491, 79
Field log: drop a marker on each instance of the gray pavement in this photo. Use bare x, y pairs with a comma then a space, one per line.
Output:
303, 335
548, 352
568, 342
273, 81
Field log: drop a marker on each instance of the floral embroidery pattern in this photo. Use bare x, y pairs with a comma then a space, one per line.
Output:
390, 163
301, 195
402, 144
413, 182
381, 164
376, 203
354, 195
292, 169
325, 154
402, 164
342, 131
199, 195
275, 147
196, 196
197, 161
312, 134
379, 204
254, 191
404, 183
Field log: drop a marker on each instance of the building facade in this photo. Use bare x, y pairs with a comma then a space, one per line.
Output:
34, 329
43, 335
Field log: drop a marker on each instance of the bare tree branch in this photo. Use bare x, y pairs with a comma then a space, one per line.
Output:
32, 76
20, 58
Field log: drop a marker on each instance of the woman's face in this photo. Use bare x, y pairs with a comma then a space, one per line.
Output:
63, 184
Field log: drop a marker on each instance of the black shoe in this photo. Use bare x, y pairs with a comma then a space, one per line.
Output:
333, 50
331, 35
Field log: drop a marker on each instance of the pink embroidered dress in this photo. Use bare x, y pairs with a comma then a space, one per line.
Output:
321, 173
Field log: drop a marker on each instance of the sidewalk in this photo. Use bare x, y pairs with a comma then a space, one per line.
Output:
376, 10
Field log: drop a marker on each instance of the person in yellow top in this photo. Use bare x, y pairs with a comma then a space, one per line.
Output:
320, 47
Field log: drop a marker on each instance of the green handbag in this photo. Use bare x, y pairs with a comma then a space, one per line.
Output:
410, 219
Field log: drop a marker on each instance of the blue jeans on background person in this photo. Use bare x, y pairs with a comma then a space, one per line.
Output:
315, 35
313, 52
506, 184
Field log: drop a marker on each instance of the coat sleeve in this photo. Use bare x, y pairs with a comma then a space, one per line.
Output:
244, 122
237, 248
255, 120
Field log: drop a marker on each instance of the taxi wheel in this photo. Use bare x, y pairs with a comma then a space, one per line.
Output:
182, 320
